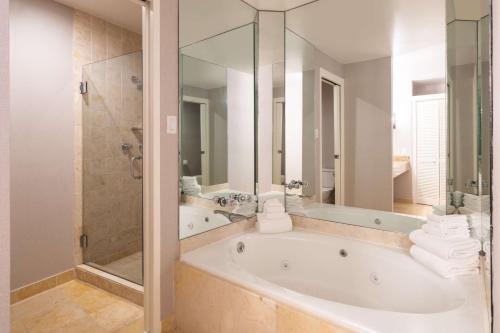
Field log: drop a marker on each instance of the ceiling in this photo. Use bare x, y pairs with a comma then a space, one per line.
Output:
360, 30
120, 12
278, 5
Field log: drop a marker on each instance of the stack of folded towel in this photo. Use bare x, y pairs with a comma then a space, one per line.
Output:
480, 225
477, 203
444, 245
190, 186
273, 219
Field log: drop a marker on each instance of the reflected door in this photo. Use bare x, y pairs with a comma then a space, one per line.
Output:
430, 132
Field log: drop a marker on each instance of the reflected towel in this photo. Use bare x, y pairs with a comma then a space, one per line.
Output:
435, 229
445, 268
446, 249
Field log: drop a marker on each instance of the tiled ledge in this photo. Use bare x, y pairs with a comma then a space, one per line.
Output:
110, 283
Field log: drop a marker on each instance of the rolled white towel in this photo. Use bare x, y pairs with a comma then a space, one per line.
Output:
445, 268
446, 249
435, 229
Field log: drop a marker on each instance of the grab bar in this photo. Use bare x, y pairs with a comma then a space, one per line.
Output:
131, 167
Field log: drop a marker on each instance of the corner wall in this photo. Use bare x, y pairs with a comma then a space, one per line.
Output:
41, 146
4, 168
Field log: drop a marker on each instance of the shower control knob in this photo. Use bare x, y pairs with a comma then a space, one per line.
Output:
221, 201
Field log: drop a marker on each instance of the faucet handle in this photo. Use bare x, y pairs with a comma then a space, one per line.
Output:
221, 201
296, 184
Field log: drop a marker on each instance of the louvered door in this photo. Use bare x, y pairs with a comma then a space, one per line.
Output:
429, 150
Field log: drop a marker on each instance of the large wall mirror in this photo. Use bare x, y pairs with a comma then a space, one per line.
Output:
216, 116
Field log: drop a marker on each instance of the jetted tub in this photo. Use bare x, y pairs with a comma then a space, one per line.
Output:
358, 285
194, 220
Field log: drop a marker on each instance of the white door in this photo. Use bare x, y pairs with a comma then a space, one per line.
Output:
278, 140
430, 149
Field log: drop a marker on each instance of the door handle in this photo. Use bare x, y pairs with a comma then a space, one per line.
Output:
131, 167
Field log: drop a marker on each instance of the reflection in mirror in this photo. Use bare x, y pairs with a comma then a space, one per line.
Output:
469, 119
365, 124
217, 131
271, 102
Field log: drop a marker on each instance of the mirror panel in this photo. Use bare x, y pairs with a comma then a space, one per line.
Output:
216, 122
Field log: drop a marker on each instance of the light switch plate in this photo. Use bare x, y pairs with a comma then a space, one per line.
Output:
171, 124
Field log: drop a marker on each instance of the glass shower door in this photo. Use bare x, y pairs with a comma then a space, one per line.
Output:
112, 166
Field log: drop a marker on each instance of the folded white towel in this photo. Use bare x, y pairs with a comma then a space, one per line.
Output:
446, 268
446, 249
454, 233
274, 226
448, 219
274, 216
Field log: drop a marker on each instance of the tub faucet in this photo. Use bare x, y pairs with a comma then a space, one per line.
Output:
233, 217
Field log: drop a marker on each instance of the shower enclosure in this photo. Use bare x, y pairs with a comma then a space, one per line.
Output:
112, 238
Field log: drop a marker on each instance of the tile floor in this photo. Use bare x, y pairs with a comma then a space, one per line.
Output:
76, 307
412, 209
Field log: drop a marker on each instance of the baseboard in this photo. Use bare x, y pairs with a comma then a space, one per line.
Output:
112, 284
41, 286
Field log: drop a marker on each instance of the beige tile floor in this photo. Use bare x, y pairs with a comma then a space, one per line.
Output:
412, 209
76, 307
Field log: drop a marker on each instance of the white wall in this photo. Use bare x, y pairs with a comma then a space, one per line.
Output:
4, 170
240, 129
424, 64
42, 146
293, 125
368, 139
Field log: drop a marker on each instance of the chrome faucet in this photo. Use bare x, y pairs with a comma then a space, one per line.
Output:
296, 184
240, 197
233, 217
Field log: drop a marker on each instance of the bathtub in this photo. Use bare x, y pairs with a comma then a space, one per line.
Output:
368, 218
194, 220
358, 285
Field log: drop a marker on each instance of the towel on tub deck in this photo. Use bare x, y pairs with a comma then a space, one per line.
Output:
274, 226
446, 268
446, 249
448, 221
434, 229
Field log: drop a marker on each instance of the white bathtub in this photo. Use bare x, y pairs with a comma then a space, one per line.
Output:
194, 220
371, 289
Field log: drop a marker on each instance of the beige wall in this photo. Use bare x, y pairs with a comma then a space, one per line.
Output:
368, 112
4, 169
41, 147
167, 153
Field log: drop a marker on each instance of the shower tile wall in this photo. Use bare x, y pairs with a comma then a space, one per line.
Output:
110, 198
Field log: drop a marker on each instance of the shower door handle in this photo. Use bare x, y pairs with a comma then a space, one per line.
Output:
131, 167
